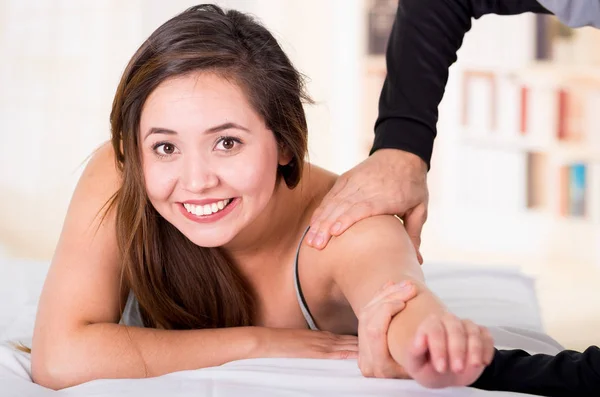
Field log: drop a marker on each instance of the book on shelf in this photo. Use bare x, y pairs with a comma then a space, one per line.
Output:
544, 109
479, 102
573, 190
524, 109
537, 169
579, 191
571, 114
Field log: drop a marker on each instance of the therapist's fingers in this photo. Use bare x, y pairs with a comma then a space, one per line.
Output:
338, 186
414, 220
320, 222
350, 213
338, 215
404, 290
322, 228
375, 359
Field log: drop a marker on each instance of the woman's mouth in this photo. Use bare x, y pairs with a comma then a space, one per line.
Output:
207, 209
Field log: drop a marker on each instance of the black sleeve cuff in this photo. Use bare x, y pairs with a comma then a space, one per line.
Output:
404, 134
567, 374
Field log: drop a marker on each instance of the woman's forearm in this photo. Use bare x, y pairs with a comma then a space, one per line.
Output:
108, 351
404, 325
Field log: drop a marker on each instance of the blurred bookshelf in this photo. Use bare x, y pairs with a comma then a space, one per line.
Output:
549, 115
521, 164
535, 128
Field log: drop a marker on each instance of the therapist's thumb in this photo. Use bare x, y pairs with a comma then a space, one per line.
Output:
413, 222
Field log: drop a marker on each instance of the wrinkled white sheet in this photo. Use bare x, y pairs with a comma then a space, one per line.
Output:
501, 298
249, 378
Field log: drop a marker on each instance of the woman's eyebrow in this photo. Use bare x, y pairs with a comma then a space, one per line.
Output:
217, 128
226, 126
155, 130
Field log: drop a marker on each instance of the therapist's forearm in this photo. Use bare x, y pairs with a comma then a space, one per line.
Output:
404, 325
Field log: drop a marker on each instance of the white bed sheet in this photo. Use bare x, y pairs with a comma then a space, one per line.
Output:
250, 378
501, 298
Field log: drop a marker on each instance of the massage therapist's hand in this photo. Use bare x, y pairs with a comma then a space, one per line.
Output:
374, 359
448, 351
390, 181
305, 343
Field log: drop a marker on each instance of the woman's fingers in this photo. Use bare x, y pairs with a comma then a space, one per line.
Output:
419, 350
437, 342
335, 337
346, 346
488, 343
457, 342
338, 346
341, 355
475, 344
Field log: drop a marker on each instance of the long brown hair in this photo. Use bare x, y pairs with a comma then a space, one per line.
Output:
178, 284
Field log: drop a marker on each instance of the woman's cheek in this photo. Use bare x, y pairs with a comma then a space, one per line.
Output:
255, 176
160, 179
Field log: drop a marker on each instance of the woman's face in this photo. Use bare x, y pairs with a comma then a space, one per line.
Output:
209, 161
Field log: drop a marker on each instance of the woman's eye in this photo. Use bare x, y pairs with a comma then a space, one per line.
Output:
227, 143
164, 149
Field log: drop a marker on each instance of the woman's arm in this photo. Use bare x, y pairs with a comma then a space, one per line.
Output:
377, 250
372, 252
77, 338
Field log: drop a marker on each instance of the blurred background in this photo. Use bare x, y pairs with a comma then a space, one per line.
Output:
514, 178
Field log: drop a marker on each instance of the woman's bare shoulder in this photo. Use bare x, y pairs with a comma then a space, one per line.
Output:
102, 167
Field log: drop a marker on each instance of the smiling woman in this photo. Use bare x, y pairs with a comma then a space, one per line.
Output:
183, 246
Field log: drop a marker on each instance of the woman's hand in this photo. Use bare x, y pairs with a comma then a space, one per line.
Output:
374, 359
305, 343
448, 351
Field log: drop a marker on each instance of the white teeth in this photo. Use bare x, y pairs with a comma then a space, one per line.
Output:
206, 209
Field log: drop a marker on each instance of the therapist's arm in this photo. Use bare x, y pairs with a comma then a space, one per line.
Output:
422, 46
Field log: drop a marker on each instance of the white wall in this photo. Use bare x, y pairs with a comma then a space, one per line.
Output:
61, 64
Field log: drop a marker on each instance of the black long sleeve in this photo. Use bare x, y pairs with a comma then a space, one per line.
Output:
568, 374
422, 46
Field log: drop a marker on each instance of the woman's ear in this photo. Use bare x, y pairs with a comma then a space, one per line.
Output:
285, 156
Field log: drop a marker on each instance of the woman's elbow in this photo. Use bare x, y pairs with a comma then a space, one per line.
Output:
52, 371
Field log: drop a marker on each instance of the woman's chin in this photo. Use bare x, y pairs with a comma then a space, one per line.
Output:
212, 241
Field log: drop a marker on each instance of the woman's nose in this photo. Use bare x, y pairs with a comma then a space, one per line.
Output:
198, 176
